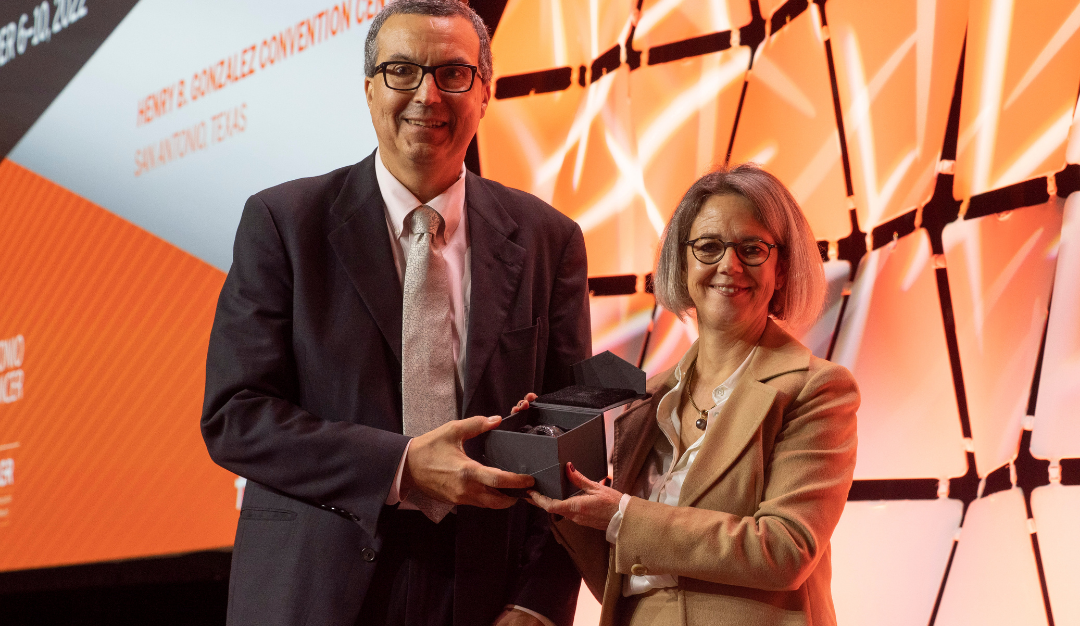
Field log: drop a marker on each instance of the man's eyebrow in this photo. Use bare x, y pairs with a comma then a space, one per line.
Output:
403, 57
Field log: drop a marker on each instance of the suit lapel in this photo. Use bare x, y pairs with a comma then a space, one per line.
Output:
636, 431
726, 438
741, 417
362, 245
495, 274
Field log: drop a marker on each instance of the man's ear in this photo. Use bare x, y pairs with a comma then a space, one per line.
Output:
369, 89
485, 91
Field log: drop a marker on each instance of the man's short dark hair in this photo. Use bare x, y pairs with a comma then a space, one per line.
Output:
434, 8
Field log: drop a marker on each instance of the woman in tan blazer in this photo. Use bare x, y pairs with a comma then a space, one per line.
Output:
729, 480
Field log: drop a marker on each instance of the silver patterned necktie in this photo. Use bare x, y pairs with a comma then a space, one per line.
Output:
429, 385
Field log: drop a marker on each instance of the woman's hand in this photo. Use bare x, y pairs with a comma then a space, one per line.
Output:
524, 404
594, 507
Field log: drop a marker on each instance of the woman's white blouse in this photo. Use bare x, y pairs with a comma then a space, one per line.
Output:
661, 480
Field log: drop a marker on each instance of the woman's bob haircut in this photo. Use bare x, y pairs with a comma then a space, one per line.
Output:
800, 299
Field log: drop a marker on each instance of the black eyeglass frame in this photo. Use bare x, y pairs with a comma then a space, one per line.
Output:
732, 244
424, 71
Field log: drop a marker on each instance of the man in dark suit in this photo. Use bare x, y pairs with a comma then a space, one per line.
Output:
345, 518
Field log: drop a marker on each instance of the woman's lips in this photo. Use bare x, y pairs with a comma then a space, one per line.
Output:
728, 290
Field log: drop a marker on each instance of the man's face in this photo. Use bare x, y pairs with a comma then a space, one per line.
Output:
426, 127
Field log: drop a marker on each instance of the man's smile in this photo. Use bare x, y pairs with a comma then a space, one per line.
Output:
425, 123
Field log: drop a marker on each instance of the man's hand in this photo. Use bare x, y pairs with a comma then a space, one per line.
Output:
436, 464
594, 507
513, 617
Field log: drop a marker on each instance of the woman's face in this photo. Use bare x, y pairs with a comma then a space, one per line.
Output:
730, 296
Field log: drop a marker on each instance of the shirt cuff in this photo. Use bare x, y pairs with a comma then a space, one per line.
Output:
394, 497
616, 520
543, 620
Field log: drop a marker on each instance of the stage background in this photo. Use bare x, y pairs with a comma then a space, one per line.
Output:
933, 144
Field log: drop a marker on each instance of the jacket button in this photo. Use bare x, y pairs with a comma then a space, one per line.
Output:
639, 570
368, 554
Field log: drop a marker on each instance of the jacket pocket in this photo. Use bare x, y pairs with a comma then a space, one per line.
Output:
268, 515
521, 338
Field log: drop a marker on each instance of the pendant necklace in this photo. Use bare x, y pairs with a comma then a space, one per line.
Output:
704, 419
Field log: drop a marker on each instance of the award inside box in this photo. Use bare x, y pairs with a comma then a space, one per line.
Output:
602, 383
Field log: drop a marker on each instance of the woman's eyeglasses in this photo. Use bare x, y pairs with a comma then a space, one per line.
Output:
709, 250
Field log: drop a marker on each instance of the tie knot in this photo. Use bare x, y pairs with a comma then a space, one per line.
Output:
426, 220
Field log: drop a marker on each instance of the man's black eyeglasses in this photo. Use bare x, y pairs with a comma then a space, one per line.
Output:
709, 250
449, 77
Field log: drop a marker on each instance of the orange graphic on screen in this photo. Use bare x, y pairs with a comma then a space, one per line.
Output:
788, 124
1001, 268
105, 328
895, 71
1019, 92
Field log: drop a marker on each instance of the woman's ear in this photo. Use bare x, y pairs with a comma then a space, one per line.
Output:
781, 274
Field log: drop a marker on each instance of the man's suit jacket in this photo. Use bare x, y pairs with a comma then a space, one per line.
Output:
750, 537
303, 392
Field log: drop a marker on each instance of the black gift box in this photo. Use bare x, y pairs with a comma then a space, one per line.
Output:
603, 382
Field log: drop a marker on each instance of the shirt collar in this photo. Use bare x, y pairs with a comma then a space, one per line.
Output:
399, 201
729, 384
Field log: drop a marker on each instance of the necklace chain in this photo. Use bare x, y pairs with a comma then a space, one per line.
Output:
703, 420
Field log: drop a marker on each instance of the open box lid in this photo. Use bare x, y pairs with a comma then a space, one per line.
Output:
602, 382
